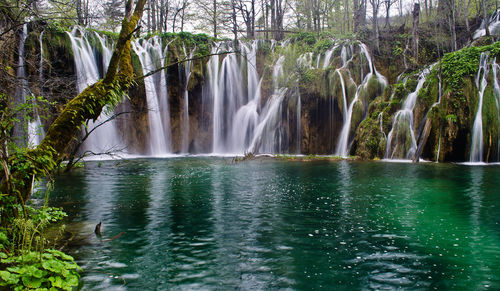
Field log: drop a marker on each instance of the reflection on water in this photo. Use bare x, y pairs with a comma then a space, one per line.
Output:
204, 223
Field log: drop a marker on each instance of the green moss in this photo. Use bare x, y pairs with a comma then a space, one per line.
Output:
464, 62
369, 141
410, 85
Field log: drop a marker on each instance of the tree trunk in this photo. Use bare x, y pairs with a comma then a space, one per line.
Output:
153, 15
387, 13
214, 18
235, 24
416, 14
485, 17
466, 15
375, 7
149, 16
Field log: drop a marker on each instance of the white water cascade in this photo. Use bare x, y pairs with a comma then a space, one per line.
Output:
104, 137
343, 144
401, 141
185, 111
299, 121
35, 127
493, 26
235, 110
264, 138
496, 87
476, 151
152, 58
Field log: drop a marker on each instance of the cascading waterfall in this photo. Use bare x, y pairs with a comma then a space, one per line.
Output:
343, 145
264, 138
235, 110
22, 84
328, 56
299, 122
35, 127
493, 26
104, 137
401, 141
496, 87
232, 106
152, 58
476, 151
185, 111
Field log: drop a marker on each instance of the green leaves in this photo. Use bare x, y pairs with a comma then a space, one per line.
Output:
8, 278
52, 269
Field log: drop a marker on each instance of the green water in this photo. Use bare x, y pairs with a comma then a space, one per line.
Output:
205, 223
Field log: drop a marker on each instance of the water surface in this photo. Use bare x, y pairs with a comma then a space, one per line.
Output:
207, 223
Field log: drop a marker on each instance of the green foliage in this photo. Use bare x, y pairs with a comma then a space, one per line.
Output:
306, 37
201, 41
36, 270
323, 45
464, 62
451, 117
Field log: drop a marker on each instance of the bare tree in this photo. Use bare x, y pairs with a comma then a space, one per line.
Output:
359, 10
416, 14
376, 34
387, 5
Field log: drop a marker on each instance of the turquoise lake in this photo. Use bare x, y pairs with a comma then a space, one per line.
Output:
207, 223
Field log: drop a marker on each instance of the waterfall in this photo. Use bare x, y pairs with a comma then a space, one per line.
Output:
104, 137
21, 86
299, 133
235, 106
213, 82
343, 145
264, 137
185, 112
493, 26
439, 147
401, 141
496, 87
380, 119
35, 127
476, 151
152, 58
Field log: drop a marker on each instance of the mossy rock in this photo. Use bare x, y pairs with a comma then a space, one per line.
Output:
369, 142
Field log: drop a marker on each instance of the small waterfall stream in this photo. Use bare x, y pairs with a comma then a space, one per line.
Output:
343, 145
185, 111
35, 128
21, 85
401, 141
476, 152
496, 87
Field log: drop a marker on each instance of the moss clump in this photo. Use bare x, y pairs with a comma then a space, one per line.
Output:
369, 141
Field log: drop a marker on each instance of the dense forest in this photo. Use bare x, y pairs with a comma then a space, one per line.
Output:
353, 79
